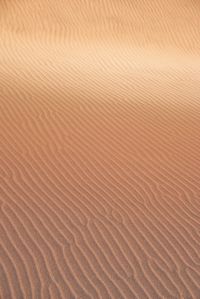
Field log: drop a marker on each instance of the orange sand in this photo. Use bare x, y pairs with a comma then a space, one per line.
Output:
99, 149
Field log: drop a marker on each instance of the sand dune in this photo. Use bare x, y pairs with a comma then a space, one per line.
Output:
99, 149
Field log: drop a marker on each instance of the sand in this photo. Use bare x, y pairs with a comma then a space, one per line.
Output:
99, 149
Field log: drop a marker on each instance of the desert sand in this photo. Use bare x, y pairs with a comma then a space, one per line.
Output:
99, 149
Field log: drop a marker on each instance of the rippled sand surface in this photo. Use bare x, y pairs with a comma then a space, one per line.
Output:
99, 149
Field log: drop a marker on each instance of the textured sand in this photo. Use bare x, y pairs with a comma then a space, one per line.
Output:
99, 149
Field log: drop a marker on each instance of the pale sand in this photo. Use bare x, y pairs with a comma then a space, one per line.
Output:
99, 149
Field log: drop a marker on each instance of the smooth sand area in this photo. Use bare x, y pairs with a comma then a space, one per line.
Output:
99, 149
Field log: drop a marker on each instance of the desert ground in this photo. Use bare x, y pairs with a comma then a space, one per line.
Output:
99, 149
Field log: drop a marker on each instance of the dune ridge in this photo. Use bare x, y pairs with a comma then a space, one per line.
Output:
99, 149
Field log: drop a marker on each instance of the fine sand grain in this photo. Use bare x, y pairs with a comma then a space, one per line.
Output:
99, 149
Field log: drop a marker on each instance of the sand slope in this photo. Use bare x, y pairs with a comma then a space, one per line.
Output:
99, 149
